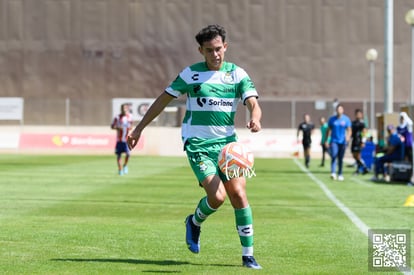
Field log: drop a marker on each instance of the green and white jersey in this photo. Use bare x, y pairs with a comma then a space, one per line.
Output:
212, 99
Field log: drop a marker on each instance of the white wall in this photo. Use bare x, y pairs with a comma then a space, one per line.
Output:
163, 141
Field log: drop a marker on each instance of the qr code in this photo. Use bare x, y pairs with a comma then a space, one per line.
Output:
389, 250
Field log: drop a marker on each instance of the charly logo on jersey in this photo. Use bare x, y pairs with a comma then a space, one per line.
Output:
228, 78
201, 101
195, 76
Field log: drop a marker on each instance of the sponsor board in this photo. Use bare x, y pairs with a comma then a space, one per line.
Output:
69, 141
11, 108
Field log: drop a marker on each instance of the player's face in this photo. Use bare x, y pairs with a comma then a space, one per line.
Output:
213, 52
322, 120
340, 110
125, 109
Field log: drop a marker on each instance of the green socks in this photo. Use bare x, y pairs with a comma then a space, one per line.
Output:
203, 210
244, 223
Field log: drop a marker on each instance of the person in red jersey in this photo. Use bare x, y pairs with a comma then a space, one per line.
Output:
122, 123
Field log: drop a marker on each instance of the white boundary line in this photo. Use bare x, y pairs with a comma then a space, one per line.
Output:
351, 215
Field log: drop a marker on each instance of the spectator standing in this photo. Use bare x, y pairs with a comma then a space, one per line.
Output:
324, 138
335, 104
339, 132
405, 130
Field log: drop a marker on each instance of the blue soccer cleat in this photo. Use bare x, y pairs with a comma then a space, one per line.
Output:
125, 169
250, 262
192, 235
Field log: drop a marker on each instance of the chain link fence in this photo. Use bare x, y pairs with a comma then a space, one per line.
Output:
98, 112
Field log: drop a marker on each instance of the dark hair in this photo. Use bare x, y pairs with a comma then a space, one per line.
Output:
210, 32
358, 111
124, 104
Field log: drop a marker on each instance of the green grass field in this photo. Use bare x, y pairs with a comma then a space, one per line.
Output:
75, 215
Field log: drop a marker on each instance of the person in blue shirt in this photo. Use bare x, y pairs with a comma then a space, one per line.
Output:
339, 131
394, 152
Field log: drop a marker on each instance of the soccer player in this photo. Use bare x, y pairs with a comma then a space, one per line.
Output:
213, 88
306, 127
339, 132
358, 133
122, 123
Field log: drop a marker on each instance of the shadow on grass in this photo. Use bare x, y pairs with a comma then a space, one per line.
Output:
136, 261
125, 261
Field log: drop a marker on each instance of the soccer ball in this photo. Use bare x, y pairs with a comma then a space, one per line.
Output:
236, 160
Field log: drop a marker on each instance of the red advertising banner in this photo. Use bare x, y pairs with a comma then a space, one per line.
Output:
69, 141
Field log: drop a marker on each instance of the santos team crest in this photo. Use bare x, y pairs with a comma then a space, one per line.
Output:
228, 78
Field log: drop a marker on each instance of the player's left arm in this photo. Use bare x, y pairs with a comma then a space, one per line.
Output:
255, 114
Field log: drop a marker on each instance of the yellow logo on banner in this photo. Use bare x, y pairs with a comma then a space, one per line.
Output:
57, 140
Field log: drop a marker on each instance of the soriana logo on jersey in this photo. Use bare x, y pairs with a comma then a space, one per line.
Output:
69, 141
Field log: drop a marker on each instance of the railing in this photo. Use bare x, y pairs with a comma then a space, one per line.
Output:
98, 112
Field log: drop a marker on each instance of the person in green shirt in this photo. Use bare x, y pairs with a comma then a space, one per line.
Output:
214, 88
324, 128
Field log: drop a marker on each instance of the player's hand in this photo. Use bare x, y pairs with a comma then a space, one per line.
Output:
133, 139
254, 126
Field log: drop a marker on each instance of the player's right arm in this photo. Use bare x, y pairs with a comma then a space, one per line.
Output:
114, 124
298, 132
154, 110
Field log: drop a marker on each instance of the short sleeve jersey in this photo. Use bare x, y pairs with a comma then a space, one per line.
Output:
358, 127
338, 126
124, 123
212, 99
306, 129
